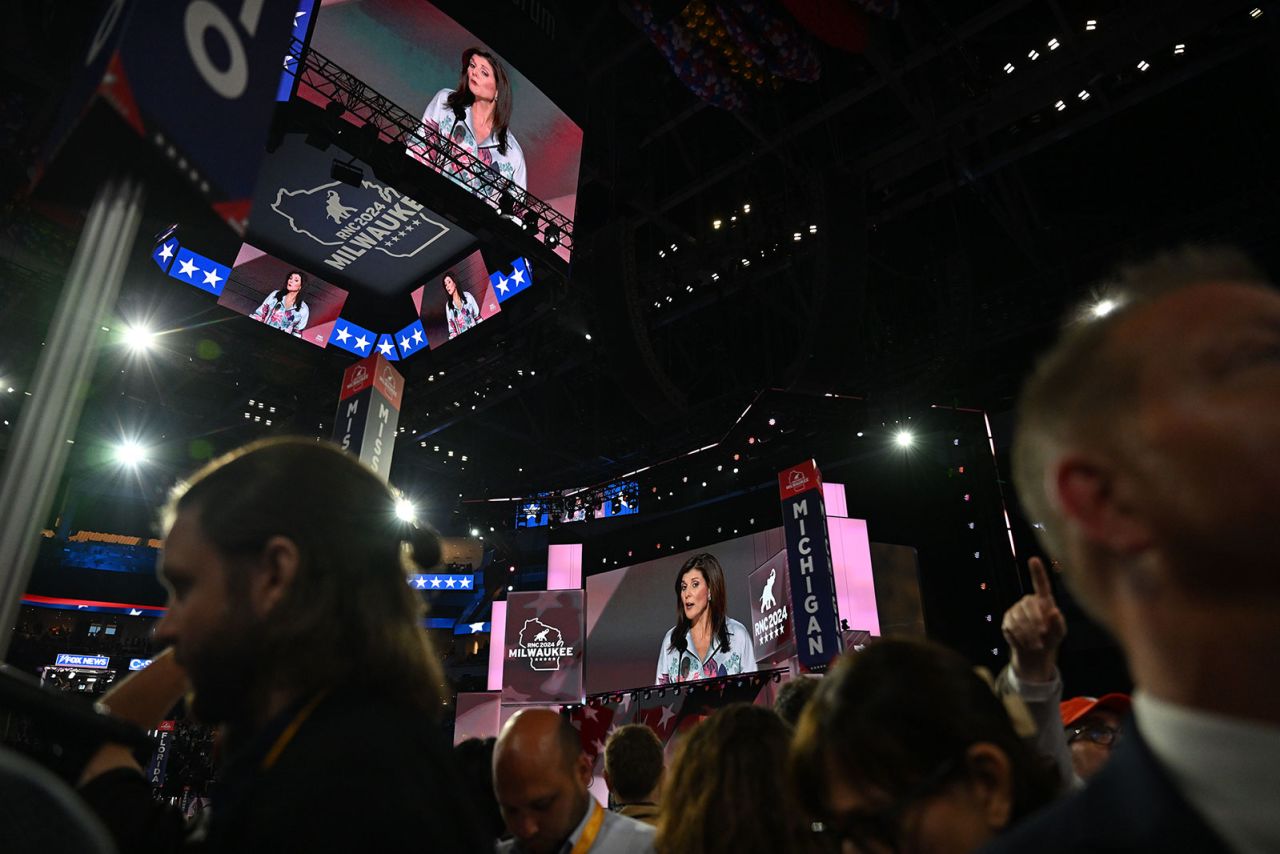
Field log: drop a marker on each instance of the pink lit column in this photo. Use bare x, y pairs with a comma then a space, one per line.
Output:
851, 560
497, 644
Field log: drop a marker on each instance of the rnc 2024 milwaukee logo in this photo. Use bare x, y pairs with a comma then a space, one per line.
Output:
358, 219
773, 616
542, 645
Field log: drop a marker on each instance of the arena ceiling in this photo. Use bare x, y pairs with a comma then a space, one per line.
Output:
906, 228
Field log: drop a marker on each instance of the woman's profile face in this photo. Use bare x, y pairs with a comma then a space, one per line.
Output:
450, 286
694, 594
953, 820
294, 282
480, 79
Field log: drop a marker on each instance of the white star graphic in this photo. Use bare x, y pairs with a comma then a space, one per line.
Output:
404, 343
343, 334
362, 343
417, 336
502, 285
667, 715
187, 268
465, 583
589, 712
435, 581
166, 251
211, 277
449, 582
296, 16
477, 627
420, 582
518, 276
598, 746
386, 348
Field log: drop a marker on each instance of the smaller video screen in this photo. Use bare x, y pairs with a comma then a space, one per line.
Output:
618, 499
271, 291
535, 513
456, 301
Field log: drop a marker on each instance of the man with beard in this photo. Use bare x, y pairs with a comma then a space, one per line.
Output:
291, 619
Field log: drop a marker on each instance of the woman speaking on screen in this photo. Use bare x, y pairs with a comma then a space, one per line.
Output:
460, 309
475, 116
704, 643
286, 311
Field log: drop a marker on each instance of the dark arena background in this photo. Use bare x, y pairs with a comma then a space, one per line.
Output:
723, 243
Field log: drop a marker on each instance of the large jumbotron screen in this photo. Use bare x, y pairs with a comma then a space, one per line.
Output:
630, 609
412, 53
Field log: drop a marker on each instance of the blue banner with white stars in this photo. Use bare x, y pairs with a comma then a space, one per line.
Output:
508, 284
352, 338
164, 252
198, 271
301, 23
411, 339
387, 347
435, 581
472, 628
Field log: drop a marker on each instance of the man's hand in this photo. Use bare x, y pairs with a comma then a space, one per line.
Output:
1034, 628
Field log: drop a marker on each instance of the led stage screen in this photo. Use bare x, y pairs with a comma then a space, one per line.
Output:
412, 53
629, 610
275, 293
457, 300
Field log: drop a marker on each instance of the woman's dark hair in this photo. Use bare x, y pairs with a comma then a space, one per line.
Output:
889, 717
461, 98
302, 277
474, 759
457, 289
350, 606
707, 564
727, 790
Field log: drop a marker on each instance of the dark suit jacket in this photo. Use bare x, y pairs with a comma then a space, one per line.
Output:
1130, 805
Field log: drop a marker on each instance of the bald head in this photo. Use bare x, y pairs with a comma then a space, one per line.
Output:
540, 777
541, 737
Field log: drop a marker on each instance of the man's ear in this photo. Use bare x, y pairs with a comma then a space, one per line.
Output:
1095, 498
582, 765
274, 574
991, 783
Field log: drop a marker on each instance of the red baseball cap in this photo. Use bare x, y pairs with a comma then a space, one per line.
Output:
1077, 707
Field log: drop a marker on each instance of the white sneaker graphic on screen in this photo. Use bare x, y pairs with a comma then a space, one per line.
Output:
766, 598
334, 209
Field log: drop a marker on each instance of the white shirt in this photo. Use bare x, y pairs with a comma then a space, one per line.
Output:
674, 666
618, 835
439, 118
1227, 768
1043, 701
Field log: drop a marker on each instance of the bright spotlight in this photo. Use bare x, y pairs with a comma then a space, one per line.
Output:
475, 532
405, 511
139, 338
904, 439
1103, 307
130, 453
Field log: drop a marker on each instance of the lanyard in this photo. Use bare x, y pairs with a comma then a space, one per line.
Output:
273, 755
591, 831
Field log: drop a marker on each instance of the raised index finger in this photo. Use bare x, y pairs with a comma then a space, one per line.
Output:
1040, 578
